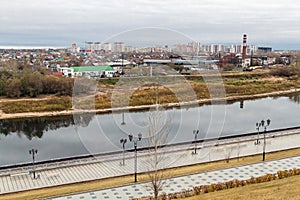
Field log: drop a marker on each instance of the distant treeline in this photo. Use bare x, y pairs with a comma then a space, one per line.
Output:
28, 83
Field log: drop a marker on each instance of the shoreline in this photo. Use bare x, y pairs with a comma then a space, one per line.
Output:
144, 107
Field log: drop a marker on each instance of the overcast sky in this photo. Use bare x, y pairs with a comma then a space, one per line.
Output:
61, 22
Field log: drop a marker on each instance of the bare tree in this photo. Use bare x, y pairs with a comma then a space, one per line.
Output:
238, 150
227, 153
157, 132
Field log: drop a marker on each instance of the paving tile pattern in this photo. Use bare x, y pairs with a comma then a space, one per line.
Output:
187, 182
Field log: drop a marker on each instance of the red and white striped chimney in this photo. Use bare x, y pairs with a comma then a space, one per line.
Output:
244, 55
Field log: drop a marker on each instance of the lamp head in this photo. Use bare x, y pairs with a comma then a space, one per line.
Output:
130, 136
139, 136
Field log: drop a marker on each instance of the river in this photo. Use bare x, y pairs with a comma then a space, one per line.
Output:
60, 137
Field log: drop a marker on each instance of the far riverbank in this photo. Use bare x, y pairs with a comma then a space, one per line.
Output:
144, 107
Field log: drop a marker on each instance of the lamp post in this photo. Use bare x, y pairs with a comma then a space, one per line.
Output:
123, 142
122, 57
258, 125
195, 132
33, 152
135, 141
265, 125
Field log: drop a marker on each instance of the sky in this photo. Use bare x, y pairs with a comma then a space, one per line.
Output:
273, 23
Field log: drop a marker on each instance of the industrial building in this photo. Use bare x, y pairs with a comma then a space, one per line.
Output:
93, 71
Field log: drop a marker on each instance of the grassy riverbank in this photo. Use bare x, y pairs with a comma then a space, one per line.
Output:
231, 194
288, 188
237, 85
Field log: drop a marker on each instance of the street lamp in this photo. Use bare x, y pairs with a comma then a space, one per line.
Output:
258, 125
135, 141
195, 132
122, 63
265, 130
33, 152
123, 142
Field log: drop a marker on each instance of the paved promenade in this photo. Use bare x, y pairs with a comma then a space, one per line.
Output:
75, 171
187, 182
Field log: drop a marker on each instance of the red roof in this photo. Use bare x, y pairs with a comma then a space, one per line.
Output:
57, 73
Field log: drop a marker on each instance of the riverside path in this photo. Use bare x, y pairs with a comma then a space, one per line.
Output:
100, 167
180, 183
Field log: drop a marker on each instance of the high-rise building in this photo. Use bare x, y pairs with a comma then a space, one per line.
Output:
119, 47
97, 46
89, 47
74, 48
106, 47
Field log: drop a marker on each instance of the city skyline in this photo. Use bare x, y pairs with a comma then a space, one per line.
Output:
60, 23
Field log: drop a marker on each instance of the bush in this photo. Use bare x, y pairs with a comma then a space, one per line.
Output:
197, 190
285, 71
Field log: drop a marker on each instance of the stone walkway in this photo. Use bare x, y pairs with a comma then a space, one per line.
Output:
187, 182
75, 171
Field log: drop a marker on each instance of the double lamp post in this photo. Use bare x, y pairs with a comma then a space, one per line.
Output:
264, 124
135, 141
33, 152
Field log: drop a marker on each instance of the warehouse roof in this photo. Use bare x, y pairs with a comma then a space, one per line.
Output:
91, 68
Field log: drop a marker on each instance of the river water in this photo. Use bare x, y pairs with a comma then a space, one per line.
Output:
60, 137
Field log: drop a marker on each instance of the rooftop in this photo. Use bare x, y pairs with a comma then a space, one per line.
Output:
91, 68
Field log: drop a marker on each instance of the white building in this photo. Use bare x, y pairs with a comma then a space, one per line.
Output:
67, 72
119, 47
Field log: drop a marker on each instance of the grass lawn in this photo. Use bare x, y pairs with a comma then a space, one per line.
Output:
112, 182
283, 189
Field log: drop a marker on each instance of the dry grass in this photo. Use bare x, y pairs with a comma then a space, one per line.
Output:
280, 189
119, 181
50, 104
235, 84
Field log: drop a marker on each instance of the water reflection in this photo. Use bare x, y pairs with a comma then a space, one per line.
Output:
295, 98
36, 127
65, 136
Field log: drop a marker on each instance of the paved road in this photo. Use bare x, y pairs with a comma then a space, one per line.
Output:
187, 182
53, 174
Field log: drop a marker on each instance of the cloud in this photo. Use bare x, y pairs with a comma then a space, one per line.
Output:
205, 20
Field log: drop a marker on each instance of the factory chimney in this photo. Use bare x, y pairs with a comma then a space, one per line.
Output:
244, 46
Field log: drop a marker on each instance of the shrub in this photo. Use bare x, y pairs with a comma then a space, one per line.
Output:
280, 174
197, 190
219, 186
212, 187
243, 183
270, 177
285, 71
296, 171
251, 180
237, 183
229, 184
205, 188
